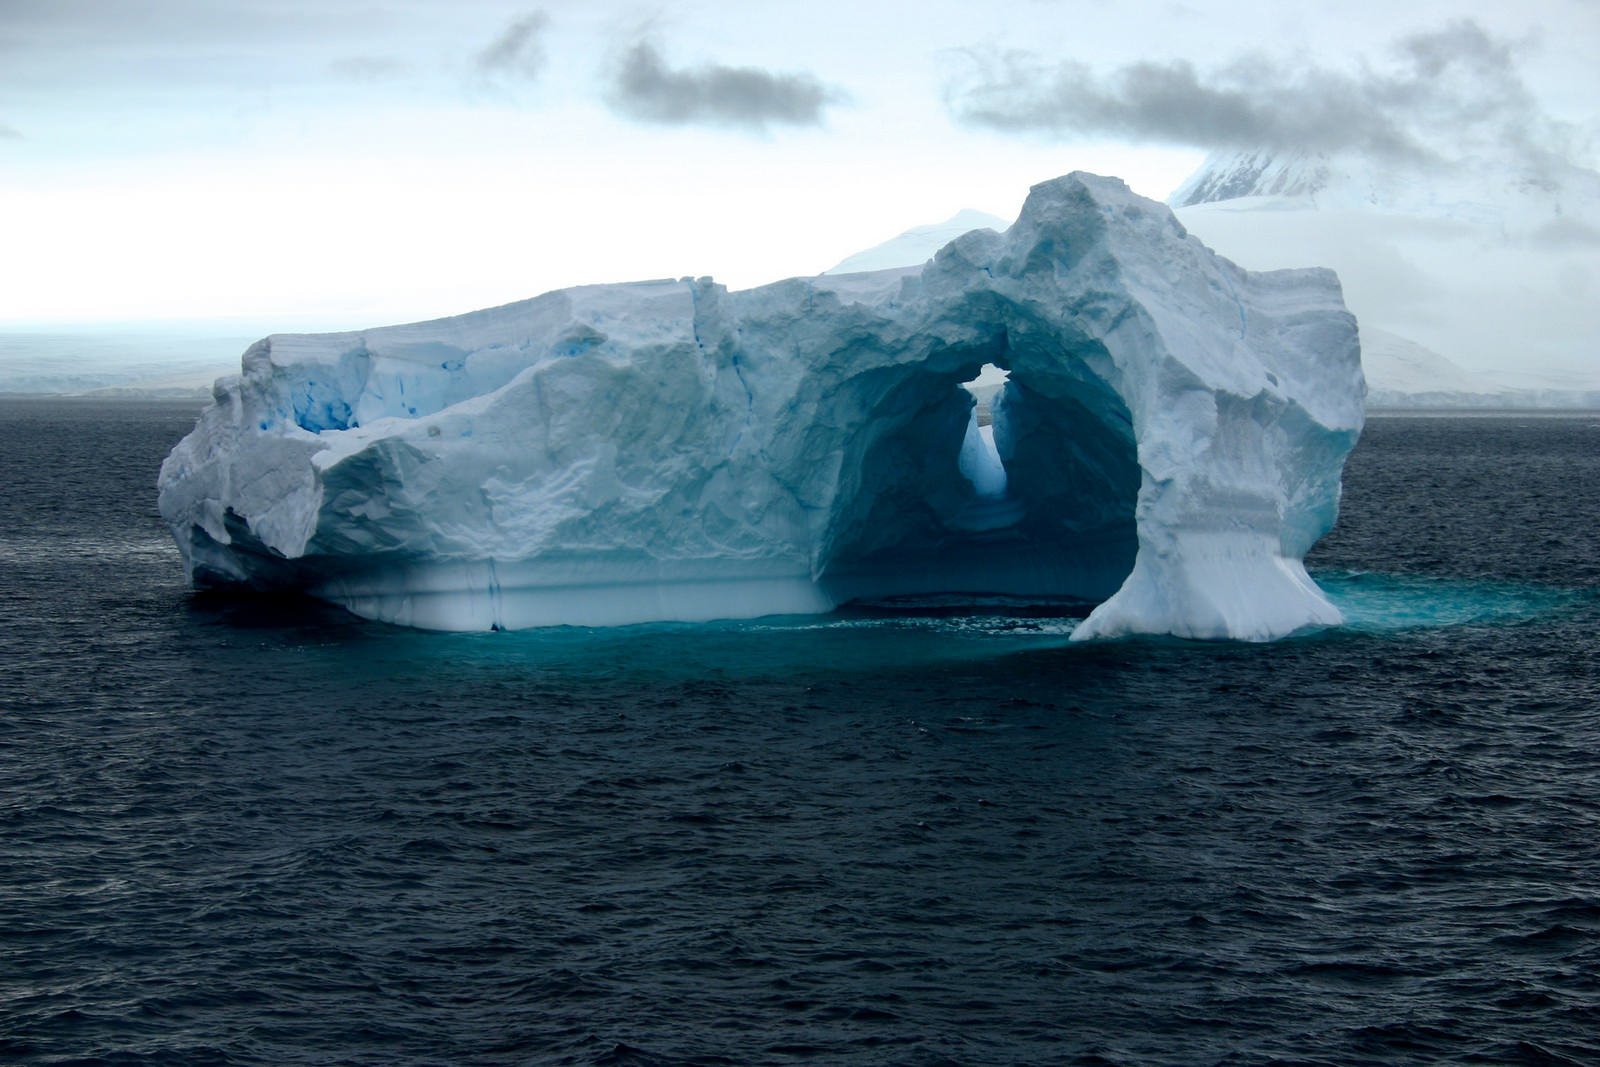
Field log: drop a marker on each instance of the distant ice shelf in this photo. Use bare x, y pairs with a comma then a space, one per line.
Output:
1169, 442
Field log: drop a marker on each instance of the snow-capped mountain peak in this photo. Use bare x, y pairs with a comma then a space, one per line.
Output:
1257, 172
1521, 196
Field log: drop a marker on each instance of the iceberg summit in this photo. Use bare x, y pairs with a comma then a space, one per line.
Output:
1169, 442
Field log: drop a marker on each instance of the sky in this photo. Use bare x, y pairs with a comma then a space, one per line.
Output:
321, 165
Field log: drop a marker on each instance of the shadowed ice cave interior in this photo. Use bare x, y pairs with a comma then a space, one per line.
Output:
1020, 480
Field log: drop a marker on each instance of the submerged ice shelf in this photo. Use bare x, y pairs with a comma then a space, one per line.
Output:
1169, 442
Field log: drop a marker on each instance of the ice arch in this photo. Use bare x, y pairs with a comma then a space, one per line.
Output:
1043, 505
1172, 438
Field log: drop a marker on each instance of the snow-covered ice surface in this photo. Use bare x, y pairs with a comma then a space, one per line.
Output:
1169, 443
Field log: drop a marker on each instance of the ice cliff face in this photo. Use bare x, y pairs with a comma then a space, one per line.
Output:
1170, 442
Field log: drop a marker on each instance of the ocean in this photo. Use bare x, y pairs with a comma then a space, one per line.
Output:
264, 832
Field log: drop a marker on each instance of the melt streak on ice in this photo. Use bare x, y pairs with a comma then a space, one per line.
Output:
1170, 442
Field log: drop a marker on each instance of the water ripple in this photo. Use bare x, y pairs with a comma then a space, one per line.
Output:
268, 833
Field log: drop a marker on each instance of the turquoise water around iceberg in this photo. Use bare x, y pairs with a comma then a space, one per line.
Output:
873, 640
913, 635
1387, 603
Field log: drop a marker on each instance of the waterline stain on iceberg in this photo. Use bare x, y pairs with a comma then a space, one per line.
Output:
1169, 443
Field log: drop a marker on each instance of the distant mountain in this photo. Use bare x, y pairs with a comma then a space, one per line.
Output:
1403, 374
917, 245
1396, 365
1236, 175
1527, 199
1477, 283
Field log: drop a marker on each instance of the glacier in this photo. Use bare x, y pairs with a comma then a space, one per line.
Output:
1169, 443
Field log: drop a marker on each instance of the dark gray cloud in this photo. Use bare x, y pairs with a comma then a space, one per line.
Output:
1438, 94
645, 88
518, 51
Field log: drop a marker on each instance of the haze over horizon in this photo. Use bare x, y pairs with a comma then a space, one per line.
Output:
277, 165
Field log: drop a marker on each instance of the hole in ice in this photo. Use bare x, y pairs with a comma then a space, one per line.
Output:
985, 388
980, 461
1020, 480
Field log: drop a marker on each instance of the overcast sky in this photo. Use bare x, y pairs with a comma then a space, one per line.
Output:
342, 165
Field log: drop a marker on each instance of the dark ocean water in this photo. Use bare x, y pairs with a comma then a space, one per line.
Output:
253, 833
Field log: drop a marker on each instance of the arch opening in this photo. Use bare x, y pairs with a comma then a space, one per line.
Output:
1011, 472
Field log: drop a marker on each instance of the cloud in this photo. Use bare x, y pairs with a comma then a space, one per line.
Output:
367, 68
1440, 95
518, 51
1566, 232
9, 133
645, 88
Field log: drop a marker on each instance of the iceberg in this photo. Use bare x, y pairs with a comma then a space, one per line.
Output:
1169, 443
